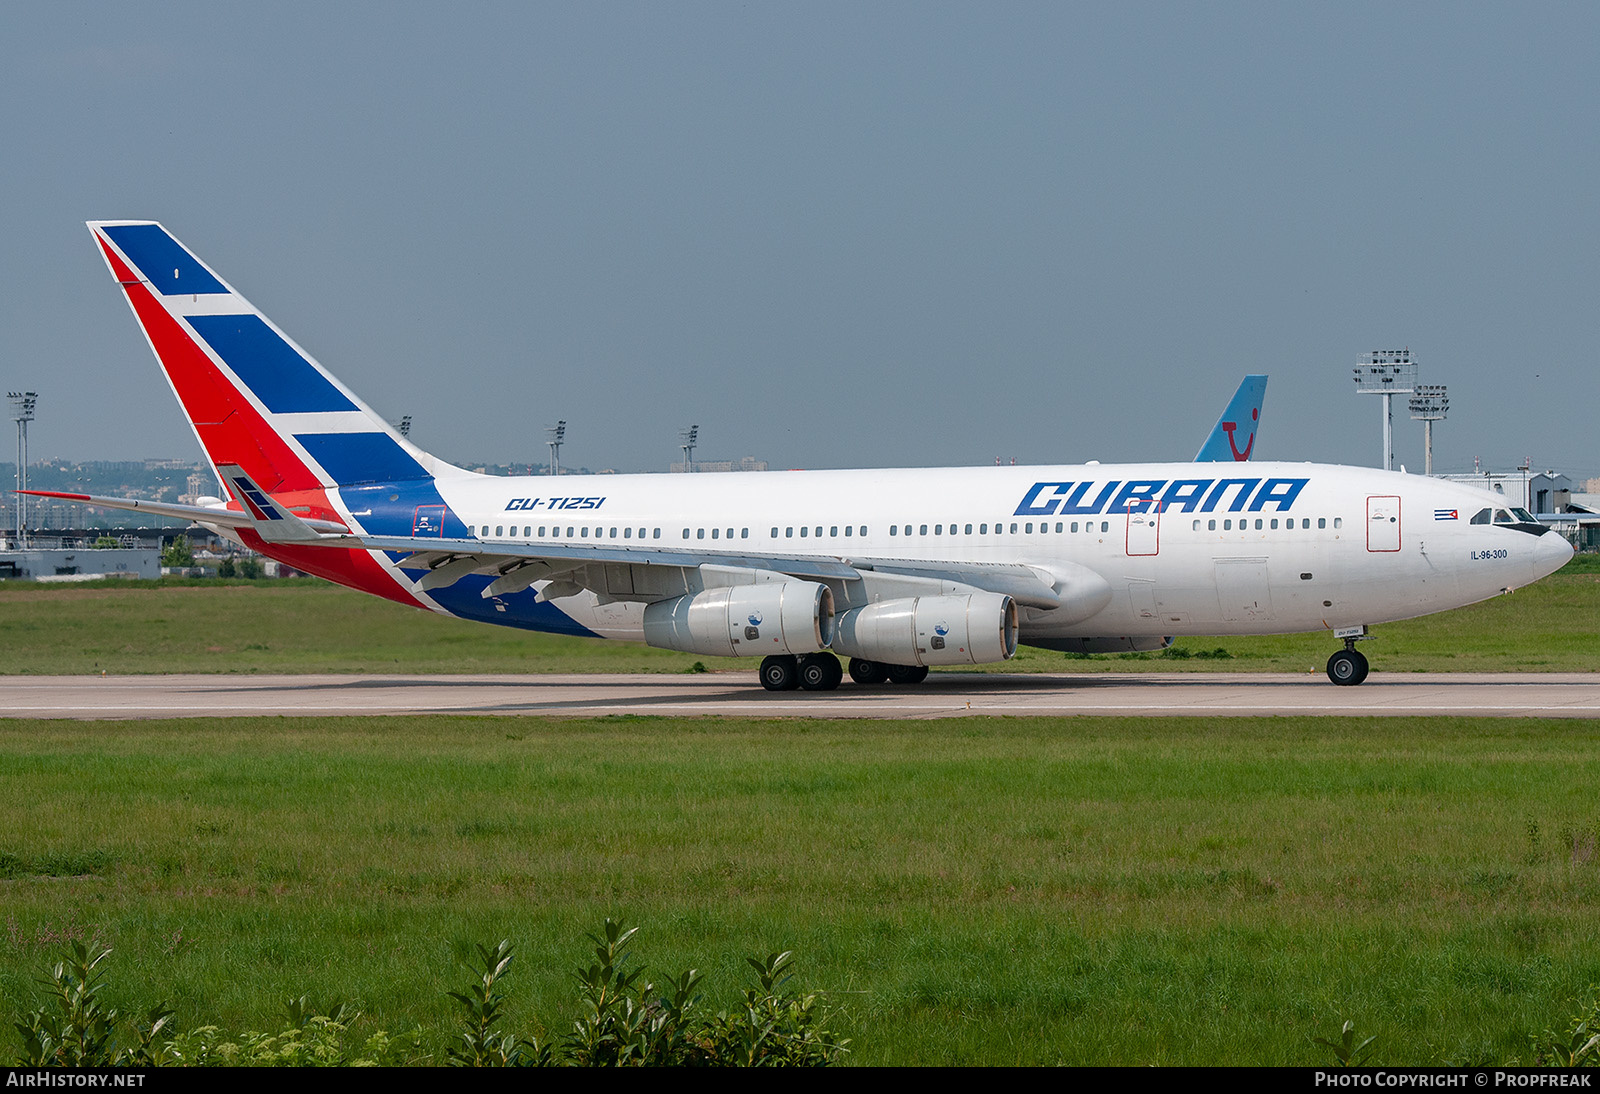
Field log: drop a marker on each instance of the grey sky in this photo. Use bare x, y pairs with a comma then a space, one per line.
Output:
832, 235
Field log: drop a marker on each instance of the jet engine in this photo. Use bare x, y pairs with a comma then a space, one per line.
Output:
744, 620
931, 630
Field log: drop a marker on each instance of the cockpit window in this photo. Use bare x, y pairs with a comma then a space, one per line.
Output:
1481, 516
1524, 516
1502, 517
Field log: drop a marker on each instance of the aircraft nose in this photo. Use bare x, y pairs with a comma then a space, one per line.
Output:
1551, 553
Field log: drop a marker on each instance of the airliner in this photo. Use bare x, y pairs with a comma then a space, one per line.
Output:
895, 570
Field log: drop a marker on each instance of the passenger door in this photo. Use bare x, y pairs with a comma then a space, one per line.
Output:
1383, 524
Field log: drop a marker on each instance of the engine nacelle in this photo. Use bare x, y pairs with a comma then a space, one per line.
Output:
744, 620
931, 630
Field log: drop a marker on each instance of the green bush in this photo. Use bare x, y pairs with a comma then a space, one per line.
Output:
623, 1020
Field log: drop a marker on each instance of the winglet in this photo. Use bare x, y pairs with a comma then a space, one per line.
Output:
1233, 438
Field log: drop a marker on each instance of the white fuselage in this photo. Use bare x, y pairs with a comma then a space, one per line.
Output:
1247, 548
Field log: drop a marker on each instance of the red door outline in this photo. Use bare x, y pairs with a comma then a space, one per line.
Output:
1154, 542
1379, 519
428, 521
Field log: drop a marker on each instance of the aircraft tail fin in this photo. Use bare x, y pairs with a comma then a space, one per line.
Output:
256, 400
1233, 438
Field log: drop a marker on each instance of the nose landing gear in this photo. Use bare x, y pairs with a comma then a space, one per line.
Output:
1348, 667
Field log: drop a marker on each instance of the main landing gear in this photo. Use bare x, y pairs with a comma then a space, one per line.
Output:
1348, 667
822, 672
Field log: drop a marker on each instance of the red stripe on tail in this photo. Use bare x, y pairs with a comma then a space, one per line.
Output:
231, 430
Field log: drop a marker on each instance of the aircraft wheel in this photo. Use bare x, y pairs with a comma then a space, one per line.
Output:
907, 674
1347, 668
863, 671
820, 672
780, 673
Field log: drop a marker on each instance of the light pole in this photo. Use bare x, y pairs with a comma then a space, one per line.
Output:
554, 435
22, 404
688, 437
1387, 372
1429, 405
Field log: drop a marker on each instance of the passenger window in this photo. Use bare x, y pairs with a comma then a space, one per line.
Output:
894, 529
1338, 522
713, 533
803, 531
613, 533
1196, 526
847, 529
819, 531
541, 531
627, 533
1074, 526
834, 531
656, 534
744, 533
686, 533
573, 531
1058, 526
499, 530
1227, 526
938, 529
924, 529
584, 532
1211, 526
1258, 524
983, 529
969, 529
700, 533
1274, 522
774, 533
1322, 522
863, 529
1026, 527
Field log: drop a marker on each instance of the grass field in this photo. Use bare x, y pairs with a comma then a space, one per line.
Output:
306, 625
985, 891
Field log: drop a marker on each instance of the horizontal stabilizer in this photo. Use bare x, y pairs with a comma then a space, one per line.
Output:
202, 514
270, 518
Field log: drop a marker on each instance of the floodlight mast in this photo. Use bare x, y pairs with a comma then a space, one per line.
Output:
689, 436
554, 435
22, 404
1429, 405
1387, 372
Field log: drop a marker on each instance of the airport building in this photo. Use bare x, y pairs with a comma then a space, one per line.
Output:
51, 562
